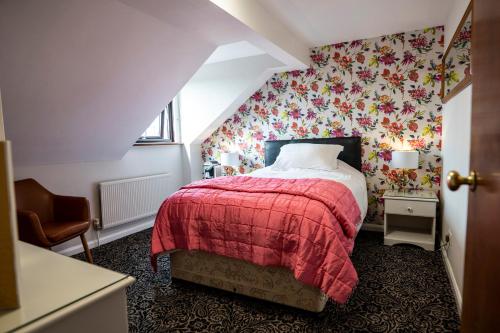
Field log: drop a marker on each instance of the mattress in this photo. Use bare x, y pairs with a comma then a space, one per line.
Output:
274, 284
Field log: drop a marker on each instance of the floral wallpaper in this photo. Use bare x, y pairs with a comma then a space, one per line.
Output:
457, 62
384, 89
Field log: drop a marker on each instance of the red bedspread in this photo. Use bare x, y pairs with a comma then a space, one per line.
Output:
306, 225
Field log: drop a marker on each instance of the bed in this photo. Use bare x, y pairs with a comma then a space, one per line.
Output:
271, 282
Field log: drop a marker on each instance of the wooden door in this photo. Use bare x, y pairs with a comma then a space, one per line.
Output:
481, 299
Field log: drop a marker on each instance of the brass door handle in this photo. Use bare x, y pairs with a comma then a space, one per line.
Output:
454, 180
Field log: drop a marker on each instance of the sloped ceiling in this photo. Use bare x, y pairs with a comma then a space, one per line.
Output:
81, 79
321, 22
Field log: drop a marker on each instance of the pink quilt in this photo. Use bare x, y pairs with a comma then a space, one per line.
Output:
306, 225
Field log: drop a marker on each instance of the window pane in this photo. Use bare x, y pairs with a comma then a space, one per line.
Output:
154, 130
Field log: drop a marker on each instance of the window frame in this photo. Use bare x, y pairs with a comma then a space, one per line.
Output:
166, 122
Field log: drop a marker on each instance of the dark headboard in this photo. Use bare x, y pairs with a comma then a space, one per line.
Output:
351, 154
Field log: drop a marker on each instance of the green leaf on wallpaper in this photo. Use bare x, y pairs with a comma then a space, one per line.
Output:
326, 90
428, 78
373, 61
372, 155
428, 131
426, 180
453, 77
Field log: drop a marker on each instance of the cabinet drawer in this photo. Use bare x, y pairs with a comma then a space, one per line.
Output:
406, 207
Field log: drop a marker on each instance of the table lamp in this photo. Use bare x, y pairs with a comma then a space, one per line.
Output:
229, 161
404, 159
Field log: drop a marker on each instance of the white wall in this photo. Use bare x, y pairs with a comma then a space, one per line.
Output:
81, 179
213, 89
212, 95
456, 156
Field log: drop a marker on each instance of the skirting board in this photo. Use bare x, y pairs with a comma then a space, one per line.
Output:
453, 281
109, 237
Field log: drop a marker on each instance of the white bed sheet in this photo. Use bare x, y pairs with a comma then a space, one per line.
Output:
345, 174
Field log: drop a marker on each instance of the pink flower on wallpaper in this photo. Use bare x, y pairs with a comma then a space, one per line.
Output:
338, 88
258, 135
318, 57
318, 101
396, 128
364, 121
242, 108
295, 73
356, 89
387, 107
408, 58
360, 105
270, 97
386, 155
345, 108
258, 97
315, 130
310, 72
407, 108
310, 114
366, 167
365, 74
278, 125
337, 133
295, 113
356, 133
419, 42
272, 137
314, 86
388, 59
236, 119
355, 43
418, 93
277, 84
439, 129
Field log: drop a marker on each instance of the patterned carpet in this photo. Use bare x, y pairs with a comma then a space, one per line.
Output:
401, 289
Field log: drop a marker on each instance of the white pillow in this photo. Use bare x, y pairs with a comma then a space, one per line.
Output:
308, 156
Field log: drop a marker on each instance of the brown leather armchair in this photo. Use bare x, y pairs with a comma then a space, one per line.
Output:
45, 219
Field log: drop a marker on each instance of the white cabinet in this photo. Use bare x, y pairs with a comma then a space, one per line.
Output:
410, 217
61, 294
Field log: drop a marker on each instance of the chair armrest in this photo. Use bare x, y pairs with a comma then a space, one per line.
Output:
71, 208
30, 228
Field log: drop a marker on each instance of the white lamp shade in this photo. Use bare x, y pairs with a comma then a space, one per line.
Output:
229, 159
405, 159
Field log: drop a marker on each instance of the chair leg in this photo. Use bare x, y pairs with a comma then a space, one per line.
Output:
88, 255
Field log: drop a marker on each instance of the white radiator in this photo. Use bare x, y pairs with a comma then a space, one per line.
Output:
127, 200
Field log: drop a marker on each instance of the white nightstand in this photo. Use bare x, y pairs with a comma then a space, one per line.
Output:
410, 217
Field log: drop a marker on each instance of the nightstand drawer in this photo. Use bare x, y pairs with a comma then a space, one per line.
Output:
407, 207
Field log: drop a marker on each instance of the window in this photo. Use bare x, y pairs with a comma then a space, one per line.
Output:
161, 129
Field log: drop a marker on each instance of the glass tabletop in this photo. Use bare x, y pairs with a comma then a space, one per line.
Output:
411, 194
